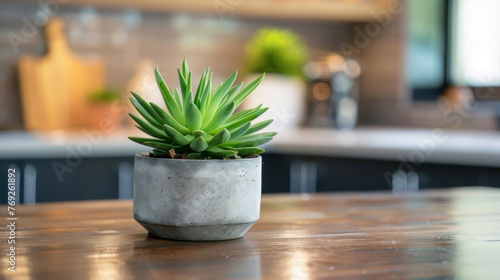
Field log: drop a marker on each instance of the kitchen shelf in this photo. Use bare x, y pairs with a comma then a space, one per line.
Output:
324, 10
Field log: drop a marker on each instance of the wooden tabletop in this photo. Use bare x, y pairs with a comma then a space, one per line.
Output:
440, 234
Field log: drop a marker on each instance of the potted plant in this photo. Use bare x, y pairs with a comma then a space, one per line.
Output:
202, 180
102, 113
282, 54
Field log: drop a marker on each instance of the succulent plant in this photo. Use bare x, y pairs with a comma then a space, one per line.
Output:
105, 95
201, 124
276, 50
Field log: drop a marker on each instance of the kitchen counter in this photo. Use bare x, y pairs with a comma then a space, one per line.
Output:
476, 148
445, 234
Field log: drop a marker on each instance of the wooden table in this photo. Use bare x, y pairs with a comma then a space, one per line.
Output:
444, 234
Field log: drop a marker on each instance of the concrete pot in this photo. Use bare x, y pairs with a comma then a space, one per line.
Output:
197, 200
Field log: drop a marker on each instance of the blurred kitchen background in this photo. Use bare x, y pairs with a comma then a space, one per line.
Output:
367, 94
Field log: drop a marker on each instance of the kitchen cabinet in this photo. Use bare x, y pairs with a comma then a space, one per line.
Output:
93, 178
111, 177
326, 174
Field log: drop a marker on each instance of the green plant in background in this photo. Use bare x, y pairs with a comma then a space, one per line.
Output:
275, 50
201, 124
105, 95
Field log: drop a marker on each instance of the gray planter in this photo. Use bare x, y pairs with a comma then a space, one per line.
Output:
198, 200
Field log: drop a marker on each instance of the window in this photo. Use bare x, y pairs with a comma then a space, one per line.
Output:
453, 43
426, 48
475, 43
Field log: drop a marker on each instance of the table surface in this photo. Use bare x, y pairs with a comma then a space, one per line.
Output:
438, 234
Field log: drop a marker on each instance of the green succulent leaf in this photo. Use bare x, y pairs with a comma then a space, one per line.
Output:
251, 137
240, 131
206, 95
177, 97
167, 119
194, 155
199, 144
144, 113
243, 120
161, 146
160, 153
221, 137
246, 143
176, 135
244, 152
142, 140
188, 94
183, 83
243, 113
243, 94
185, 68
201, 88
193, 117
219, 94
259, 126
198, 133
172, 105
220, 118
143, 130
221, 153
231, 94
147, 108
208, 137
148, 128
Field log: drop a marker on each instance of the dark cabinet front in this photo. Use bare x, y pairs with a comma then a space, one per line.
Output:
43, 180
297, 173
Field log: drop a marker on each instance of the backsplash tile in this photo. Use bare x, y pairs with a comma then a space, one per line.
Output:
124, 38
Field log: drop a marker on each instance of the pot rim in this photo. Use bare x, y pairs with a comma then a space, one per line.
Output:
145, 156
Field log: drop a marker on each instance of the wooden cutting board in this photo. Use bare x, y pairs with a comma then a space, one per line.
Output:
55, 87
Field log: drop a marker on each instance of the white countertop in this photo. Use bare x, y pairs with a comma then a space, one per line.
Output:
480, 148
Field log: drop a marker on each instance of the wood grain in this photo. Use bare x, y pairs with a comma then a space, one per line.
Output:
439, 234
55, 87
345, 10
